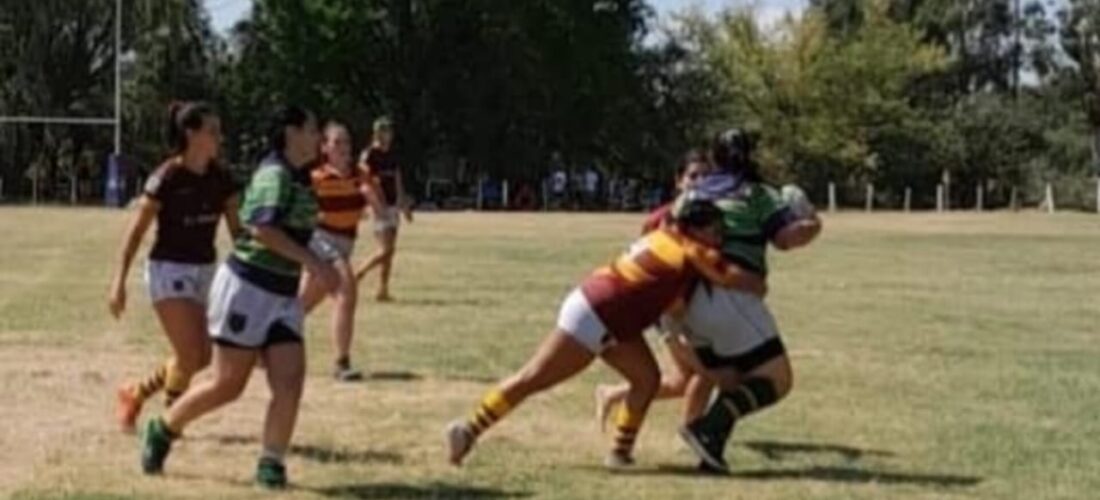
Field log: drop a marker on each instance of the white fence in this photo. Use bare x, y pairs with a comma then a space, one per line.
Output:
1047, 204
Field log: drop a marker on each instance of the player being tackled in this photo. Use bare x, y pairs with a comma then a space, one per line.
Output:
605, 317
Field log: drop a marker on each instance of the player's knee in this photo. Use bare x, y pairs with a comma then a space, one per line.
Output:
347, 293
675, 383
783, 379
288, 385
193, 360
228, 389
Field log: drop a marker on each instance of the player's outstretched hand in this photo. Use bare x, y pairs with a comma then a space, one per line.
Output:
116, 301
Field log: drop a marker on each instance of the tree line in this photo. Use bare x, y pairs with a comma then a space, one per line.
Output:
1001, 94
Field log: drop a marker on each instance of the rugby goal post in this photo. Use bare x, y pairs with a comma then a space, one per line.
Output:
114, 121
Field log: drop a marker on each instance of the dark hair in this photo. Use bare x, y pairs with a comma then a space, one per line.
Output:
732, 152
691, 157
329, 125
698, 213
287, 116
184, 116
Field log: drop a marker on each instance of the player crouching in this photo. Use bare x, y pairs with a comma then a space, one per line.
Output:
605, 317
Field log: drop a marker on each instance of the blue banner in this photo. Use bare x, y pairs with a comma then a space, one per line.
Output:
114, 192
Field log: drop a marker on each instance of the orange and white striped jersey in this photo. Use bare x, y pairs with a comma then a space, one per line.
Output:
340, 199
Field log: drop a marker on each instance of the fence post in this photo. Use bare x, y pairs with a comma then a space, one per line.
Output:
1049, 200
832, 197
34, 188
480, 183
504, 195
1013, 200
980, 206
870, 197
1097, 192
908, 198
939, 197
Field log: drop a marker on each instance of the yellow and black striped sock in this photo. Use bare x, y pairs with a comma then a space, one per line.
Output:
627, 424
152, 383
493, 407
175, 382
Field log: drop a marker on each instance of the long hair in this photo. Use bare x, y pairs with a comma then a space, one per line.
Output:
182, 117
287, 116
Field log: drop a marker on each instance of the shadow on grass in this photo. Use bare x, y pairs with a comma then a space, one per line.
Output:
394, 376
321, 454
443, 302
776, 450
849, 475
477, 379
431, 490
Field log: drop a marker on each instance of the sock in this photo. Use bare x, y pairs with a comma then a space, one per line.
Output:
627, 424
493, 407
175, 382
161, 426
151, 384
754, 394
271, 454
343, 363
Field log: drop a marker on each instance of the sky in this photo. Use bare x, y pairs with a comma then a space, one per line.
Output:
225, 13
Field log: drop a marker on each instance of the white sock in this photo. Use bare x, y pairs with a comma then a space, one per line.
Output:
271, 454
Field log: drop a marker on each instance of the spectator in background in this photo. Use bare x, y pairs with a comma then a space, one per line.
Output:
591, 188
630, 194
559, 182
525, 198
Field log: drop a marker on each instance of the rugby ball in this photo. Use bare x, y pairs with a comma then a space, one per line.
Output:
796, 199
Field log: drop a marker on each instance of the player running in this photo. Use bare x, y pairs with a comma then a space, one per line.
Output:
605, 317
254, 310
381, 164
342, 192
187, 196
734, 333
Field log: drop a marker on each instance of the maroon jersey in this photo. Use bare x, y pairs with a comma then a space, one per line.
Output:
382, 167
656, 218
653, 276
191, 205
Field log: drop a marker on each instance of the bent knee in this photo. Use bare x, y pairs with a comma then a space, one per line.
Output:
194, 360
783, 380
226, 389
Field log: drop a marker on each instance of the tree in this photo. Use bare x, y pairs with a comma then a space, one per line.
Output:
500, 83
828, 108
1081, 41
170, 42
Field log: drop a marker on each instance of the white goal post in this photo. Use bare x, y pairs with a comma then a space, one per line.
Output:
115, 121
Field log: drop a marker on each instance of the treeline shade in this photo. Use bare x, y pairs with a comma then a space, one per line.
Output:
899, 93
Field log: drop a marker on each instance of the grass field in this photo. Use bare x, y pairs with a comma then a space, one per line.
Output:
935, 356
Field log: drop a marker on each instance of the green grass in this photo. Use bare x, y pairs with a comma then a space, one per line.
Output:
935, 357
